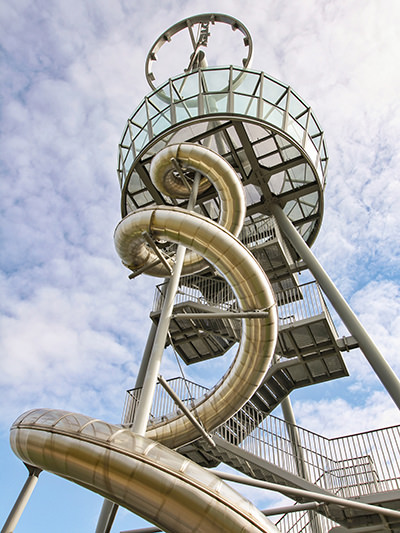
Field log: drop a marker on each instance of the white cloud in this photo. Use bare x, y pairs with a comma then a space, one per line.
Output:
73, 327
346, 418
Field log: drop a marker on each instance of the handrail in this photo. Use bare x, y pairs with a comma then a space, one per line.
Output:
262, 230
153, 116
351, 465
294, 304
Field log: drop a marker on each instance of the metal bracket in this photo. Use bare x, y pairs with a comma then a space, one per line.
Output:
178, 168
155, 249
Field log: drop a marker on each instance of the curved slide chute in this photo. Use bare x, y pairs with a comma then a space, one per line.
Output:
142, 473
253, 293
214, 170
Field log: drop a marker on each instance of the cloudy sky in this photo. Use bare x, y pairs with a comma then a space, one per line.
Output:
72, 325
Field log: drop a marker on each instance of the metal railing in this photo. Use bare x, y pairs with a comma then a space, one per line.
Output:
303, 522
302, 303
258, 232
294, 304
163, 405
214, 292
158, 112
263, 231
349, 466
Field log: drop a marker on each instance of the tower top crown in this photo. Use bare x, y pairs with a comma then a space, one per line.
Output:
196, 41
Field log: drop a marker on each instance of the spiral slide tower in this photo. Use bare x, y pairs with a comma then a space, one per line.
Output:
222, 172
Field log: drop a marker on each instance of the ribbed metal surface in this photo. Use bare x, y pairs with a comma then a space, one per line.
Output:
252, 290
145, 477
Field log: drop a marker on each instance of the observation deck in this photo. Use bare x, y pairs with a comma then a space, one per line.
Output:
259, 125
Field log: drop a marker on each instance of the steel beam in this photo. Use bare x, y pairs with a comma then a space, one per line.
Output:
379, 364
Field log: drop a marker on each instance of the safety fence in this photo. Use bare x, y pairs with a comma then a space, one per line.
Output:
349, 466
305, 522
295, 304
262, 231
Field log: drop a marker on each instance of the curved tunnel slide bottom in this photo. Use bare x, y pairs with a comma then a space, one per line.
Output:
135, 472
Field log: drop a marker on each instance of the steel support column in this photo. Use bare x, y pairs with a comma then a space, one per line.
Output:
301, 464
382, 369
149, 370
22, 500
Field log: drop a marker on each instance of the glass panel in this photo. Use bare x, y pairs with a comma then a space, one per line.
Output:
290, 153
160, 100
247, 84
244, 161
215, 103
282, 102
186, 86
161, 122
133, 130
295, 130
234, 137
152, 110
287, 184
309, 175
313, 127
296, 107
217, 142
307, 209
140, 117
303, 120
135, 183
272, 90
293, 210
128, 161
255, 132
317, 141
215, 80
162, 143
252, 195
141, 140
265, 147
276, 183
131, 205
297, 175
324, 154
281, 141
245, 105
311, 201
273, 116
182, 111
271, 160
120, 177
306, 229
311, 150
143, 198
212, 209
124, 152
126, 139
